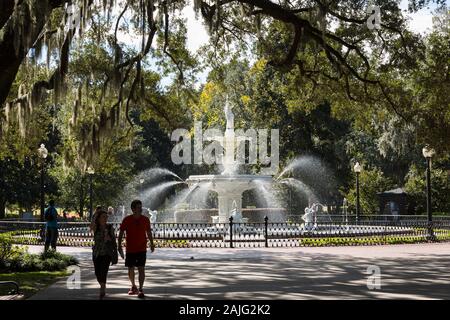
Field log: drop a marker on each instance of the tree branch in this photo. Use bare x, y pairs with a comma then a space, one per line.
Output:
166, 45
6, 10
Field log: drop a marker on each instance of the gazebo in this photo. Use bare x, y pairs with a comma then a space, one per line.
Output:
395, 202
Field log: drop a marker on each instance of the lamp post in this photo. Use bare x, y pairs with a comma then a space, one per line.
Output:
344, 204
428, 153
42, 153
357, 169
90, 172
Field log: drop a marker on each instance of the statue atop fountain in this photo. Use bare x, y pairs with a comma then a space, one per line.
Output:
228, 145
229, 116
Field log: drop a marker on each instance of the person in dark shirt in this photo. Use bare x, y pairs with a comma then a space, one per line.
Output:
51, 226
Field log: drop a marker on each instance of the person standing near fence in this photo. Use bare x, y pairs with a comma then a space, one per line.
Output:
51, 226
137, 229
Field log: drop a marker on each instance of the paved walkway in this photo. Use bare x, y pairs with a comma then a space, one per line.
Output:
407, 272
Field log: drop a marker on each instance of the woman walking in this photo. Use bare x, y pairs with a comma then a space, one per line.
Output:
104, 251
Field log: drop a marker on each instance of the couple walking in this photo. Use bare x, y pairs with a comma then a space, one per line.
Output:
137, 230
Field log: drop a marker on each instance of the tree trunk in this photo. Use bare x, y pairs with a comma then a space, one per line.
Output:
6, 10
81, 199
2, 192
2, 208
13, 50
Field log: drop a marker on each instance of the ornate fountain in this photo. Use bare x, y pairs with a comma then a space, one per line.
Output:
229, 185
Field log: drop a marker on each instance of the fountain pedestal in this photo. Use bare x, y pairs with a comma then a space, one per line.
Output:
229, 189
229, 186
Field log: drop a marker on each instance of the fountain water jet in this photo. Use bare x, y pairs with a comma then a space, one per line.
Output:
182, 196
156, 173
229, 185
267, 192
300, 187
151, 194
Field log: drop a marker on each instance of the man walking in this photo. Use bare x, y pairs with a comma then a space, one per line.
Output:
137, 229
51, 226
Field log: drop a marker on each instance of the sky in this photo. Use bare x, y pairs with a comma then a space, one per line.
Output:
421, 21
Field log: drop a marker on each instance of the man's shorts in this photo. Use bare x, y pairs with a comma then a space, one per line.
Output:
135, 259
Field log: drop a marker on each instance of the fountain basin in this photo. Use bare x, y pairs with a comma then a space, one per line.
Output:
251, 215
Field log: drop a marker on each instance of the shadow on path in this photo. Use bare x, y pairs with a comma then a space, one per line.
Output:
260, 274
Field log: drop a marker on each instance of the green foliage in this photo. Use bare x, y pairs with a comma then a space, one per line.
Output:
7, 250
16, 259
441, 235
172, 244
30, 282
371, 181
38, 124
110, 177
440, 188
173, 55
432, 105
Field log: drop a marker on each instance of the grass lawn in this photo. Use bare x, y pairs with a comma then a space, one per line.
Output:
30, 282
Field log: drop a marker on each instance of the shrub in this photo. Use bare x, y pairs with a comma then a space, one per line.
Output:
16, 259
8, 251
5, 249
68, 260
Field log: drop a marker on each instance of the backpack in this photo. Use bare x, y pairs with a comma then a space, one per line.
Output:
113, 246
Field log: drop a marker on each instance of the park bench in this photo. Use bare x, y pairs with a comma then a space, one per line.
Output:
13, 294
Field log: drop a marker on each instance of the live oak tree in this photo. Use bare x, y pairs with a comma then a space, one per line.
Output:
335, 30
323, 50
